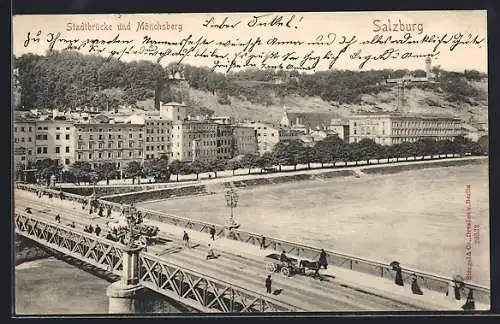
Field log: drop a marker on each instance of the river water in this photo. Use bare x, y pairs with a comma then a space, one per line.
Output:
53, 287
417, 217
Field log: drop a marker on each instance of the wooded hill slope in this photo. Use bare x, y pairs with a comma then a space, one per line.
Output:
66, 79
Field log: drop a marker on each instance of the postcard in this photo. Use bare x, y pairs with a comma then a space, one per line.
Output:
251, 162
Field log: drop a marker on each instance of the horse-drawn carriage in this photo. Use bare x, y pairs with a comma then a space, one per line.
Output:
290, 266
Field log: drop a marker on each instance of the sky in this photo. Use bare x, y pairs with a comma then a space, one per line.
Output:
345, 30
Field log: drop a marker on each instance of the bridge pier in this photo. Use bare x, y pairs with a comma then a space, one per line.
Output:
122, 295
122, 298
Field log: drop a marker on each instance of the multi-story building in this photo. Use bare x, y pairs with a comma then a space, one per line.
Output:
225, 141
36, 140
288, 134
194, 140
267, 135
390, 129
245, 140
176, 112
340, 127
112, 142
307, 121
158, 137
24, 142
55, 139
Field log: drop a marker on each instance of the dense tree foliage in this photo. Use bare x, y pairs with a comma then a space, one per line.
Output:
68, 79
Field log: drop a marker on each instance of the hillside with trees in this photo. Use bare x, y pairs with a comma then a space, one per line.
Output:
63, 80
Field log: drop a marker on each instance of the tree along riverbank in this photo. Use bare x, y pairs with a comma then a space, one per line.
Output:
246, 181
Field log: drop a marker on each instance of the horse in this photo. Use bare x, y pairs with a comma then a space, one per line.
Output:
312, 265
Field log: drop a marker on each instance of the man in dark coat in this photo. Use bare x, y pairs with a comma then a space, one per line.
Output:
268, 284
97, 230
283, 257
322, 259
212, 233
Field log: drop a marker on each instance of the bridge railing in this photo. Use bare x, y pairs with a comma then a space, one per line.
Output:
428, 280
97, 251
196, 289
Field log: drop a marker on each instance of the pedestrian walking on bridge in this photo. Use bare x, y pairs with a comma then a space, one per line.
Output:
185, 239
212, 232
322, 259
97, 230
268, 284
91, 229
109, 211
211, 253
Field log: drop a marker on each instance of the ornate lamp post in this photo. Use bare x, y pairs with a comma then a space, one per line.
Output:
232, 201
130, 214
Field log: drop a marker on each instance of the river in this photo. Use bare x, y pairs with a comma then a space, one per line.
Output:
53, 287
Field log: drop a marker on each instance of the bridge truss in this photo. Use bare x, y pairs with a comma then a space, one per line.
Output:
196, 289
186, 286
97, 251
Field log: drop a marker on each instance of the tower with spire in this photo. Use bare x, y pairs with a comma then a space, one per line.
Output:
285, 122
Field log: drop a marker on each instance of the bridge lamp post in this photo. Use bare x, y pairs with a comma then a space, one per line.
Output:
122, 294
232, 201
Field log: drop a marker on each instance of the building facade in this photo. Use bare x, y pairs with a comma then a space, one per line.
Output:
176, 112
158, 135
245, 140
267, 135
388, 129
24, 134
194, 140
115, 143
225, 141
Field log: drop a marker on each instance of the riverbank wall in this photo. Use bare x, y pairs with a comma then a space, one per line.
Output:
254, 180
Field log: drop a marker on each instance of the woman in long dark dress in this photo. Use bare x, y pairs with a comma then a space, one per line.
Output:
322, 259
415, 287
469, 304
399, 276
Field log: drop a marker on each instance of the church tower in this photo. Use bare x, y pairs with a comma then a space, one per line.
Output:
285, 122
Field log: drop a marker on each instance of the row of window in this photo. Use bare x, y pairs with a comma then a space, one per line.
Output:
158, 131
424, 131
110, 145
22, 129
102, 137
109, 155
152, 148
202, 143
58, 149
425, 124
153, 139
91, 130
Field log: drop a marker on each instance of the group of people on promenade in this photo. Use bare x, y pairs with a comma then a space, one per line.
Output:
94, 206
454, 292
